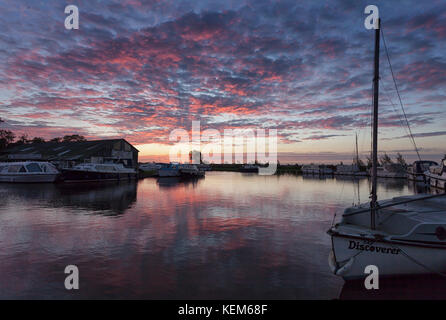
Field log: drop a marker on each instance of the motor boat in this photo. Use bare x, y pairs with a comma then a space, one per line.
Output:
98, 172
317, 169
28, 171
436, 175
323, 170
249, 168
349, 170
171, 170
190, 170
148, 167
310, 169
416, 172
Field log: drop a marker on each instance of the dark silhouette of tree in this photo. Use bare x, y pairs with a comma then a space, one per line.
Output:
73, 138
58, 139
23, 139
6, 138
37, 140
386, 160
400, 160
361, 165
369, 162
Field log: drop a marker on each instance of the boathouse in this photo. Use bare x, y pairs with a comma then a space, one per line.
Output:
67, 154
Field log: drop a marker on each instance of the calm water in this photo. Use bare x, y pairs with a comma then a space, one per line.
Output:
229, 235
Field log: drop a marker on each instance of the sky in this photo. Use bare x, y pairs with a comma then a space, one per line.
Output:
139, 69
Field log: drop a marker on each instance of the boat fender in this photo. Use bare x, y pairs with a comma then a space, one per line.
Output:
346, 267
332, 262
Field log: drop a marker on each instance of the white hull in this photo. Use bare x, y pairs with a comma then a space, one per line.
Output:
355, 174
392, 175
391, 258
28, 178
319, 172
437, 181
416, 177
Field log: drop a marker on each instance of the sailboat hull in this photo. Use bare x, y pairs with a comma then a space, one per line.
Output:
351, 255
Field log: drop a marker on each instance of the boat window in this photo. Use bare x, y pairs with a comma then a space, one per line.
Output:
16, 168
33, 167
2, 167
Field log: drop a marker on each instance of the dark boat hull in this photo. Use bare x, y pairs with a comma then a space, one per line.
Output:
83, 176
256, 170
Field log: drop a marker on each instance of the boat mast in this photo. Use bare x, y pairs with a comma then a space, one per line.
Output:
373, 202
357, 152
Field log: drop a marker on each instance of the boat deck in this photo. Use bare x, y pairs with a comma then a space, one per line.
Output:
401, 219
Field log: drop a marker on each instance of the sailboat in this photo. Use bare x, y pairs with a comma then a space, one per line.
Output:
400, 236
354, 168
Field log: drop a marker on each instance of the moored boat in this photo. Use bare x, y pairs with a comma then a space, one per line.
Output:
190, 170
349, 170
249, 168
353, 169
148, 169
325, 170
28, 172
98, 172
400, 236
317, 169
310, 169
409, 238
437, 175
151, 166
391, 170
416, 172
171, 170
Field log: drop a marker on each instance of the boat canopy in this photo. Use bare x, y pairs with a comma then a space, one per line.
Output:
27, 167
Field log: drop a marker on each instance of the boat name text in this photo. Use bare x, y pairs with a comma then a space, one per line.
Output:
365, 247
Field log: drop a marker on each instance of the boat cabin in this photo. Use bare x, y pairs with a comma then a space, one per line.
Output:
422, 166
26, 167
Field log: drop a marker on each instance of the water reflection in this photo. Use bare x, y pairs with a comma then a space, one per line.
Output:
169, 182
229, 236
111, 198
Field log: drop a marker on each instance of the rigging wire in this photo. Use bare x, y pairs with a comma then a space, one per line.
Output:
399, 96
394, 107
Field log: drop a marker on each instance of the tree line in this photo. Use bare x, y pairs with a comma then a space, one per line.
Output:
385, 159
8, 138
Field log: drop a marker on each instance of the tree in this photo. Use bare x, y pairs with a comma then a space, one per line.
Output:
6, 138
360, 163
23, 139
37, 140
386, 160
369, 162
400, 160
73, 138
58, 139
